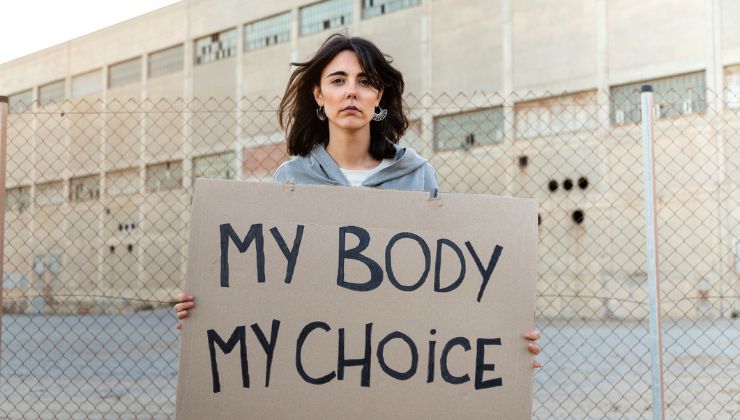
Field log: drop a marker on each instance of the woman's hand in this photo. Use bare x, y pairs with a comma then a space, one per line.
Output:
185, 302
532, 336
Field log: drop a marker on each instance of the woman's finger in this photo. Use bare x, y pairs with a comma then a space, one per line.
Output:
533, 348
184, 297
179, 325
536, 364
183, 306
532, 335
182, 314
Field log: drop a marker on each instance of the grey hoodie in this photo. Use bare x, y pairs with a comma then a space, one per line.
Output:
409, 171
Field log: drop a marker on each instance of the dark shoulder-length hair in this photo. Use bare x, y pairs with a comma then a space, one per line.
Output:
297, 110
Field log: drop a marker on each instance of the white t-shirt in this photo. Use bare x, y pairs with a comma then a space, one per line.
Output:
357, 176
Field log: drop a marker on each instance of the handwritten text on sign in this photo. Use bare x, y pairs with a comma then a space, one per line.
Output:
255, 236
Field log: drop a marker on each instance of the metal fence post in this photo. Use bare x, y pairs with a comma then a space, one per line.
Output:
3, 143
656, 330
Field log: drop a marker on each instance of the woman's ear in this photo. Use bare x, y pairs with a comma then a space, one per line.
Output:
317, 96
380, 96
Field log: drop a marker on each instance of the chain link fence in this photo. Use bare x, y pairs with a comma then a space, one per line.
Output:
97, 213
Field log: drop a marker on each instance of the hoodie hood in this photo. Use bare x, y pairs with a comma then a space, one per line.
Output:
318, 166
409, 171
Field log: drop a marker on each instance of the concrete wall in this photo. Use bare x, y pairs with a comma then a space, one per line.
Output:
547, 64
554, 45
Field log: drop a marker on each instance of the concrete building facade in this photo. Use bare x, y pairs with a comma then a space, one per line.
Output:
108, 131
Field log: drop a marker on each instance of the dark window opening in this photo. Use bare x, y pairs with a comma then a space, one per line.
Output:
578, 216
568, 184
523, 161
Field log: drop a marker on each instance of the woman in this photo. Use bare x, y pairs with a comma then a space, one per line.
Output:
343, 113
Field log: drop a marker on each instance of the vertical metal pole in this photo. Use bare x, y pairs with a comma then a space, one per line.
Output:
3, 143
656, 330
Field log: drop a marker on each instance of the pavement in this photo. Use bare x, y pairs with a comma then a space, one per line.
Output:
125, 366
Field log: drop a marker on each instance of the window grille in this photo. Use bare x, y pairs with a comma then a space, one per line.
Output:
84, 188
266, 32
49, 194
122, 182
87, 84
470, 128
164, 176
17, 199
215, 47
732, 86
561, 114
52, 93
20, 102
166, 61
124, 73
674, 96
220, 166
325, 15
372, 8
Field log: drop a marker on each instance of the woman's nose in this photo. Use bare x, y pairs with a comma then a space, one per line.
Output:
351, 90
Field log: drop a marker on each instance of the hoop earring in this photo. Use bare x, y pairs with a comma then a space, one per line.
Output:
320, 114
380, 115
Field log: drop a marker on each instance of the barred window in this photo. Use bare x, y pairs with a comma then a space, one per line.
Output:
52, 93
266, 32
325, 15
470, 128
371, 8
49, 194
87, 84
674, 96
124, 73
84, 188
122, 182
215, 47
732, 86
164, 176
166, 61
219, 166
550, 116
20, 102
17, 199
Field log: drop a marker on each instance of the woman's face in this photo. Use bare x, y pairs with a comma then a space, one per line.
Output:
345, 92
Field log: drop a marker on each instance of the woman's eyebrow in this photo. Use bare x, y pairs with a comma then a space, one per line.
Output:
343, 73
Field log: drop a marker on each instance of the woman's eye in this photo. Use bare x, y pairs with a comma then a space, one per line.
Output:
336, 81
365, 82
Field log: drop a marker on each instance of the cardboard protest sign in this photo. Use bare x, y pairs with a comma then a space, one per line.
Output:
334, 302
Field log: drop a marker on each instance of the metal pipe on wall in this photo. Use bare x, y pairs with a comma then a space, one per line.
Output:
3, 150
656, 330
